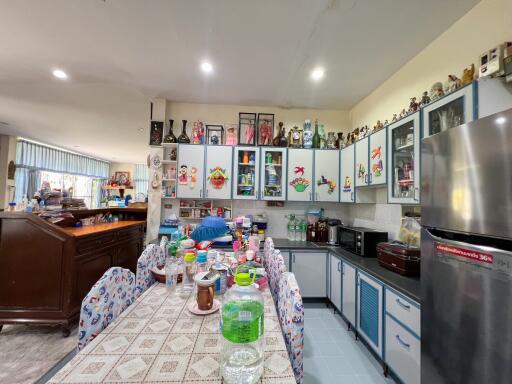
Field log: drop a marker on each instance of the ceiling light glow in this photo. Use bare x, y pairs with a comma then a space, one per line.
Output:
206, 67
317, 74
501, 120
60, 74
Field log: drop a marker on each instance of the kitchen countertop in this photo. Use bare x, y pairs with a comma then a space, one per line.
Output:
92, 229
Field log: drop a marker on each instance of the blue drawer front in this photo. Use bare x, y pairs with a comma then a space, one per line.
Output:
369, 311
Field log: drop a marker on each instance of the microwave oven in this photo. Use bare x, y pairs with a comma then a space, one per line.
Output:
361, 241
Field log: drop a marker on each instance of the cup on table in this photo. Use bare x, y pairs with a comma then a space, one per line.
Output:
205, 291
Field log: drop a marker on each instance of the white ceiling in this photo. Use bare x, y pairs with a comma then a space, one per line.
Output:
120, 53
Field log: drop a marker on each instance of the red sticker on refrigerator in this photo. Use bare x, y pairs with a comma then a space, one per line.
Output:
465, 253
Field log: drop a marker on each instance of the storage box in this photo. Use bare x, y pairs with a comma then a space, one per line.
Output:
399, 258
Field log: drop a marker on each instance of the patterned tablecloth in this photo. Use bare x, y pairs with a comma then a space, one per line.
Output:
157, 340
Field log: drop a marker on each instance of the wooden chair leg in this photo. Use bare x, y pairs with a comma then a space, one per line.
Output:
66, 331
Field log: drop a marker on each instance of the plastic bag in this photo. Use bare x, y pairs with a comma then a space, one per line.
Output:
410, 230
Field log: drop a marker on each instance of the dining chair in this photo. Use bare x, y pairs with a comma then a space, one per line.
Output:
291, 318
106, 300
151, 257
267, 249
276, 268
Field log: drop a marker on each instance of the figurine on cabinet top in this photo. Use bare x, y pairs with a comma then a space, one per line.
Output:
386, 122
395, 118
363, 132
296, 137
231, 135
355, 135
280, 140
402, 114
341, 141
436, 91
265, 133
468, 75
331, 140
378, 126
452, 84
196, 137
424, 99
413, 105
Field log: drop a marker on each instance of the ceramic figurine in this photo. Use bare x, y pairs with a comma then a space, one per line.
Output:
323, 138
331, 140
386, 122
249, 134
265, 133
214, 139
349, 139
403, 113
413, 105
341, 141
452, 84
308, 134
378, 126
395, 118
355, 135
296, 137
201, 132
468, 75
436, 91
424, 99
196, 137
280, 140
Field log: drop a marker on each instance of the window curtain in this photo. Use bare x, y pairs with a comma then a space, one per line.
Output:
141, 179
32, 158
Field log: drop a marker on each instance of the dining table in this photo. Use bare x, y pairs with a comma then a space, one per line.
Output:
158, 340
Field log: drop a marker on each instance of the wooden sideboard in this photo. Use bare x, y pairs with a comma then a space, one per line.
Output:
46, 270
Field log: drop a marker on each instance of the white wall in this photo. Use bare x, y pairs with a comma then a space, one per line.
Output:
488, 24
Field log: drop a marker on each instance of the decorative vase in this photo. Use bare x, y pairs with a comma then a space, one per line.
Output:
316, 136
170, 138
183, 138
308, 134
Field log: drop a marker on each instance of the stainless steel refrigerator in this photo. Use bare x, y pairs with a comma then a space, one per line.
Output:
466, 253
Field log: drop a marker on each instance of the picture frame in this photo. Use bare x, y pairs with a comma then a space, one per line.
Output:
122, 178
156, 133
246, 128
214, 134
265, 130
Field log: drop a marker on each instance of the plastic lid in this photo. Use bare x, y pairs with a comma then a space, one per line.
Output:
243, 279
189, 257
201, 257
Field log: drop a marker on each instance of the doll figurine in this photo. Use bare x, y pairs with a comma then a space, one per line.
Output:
468, 75
265, 132
395, 118
249, 134
403, 113
195, 134
183, 175
386, 122
424, 99
452, 84
413, 105
340, 143
231, 136
436, 91
201, 132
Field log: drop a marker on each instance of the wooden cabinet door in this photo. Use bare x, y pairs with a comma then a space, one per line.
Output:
273, 173
246, 173
327, 175
362, 162
310, 269
190, 171
90, 268
335, 281
127, 254
347, 174
378, 159
348, 302
300, 174
219, 171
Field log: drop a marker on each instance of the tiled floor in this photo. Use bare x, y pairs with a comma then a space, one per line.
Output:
331, 353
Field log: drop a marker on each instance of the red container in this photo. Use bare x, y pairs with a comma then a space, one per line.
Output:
399, 258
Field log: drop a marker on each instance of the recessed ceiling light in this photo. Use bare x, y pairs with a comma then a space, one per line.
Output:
501, 120
317, 74
60, 74
206, 67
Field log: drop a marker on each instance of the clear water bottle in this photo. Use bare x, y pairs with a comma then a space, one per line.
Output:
242, 315
303, 228
291, 228
171, 273
201, 262
189, 271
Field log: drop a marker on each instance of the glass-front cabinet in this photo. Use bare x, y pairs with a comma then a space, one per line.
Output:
450, 111
273, 174
246, 173
404, 160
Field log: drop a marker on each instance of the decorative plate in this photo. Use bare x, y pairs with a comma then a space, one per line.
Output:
156, 162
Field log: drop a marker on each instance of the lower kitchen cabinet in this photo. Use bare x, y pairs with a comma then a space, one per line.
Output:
334, 293
348, 298
310, 269
370, 311
403, 352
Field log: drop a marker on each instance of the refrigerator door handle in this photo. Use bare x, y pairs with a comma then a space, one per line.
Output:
481, 248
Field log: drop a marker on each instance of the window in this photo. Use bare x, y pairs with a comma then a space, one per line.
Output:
80, 187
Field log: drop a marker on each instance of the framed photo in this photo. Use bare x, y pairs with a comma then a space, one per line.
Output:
214, 134
122, 178
156, 133
246, 128
265, 128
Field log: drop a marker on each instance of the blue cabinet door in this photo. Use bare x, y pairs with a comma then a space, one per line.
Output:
369, 322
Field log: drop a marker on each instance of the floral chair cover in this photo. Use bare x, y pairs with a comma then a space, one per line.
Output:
268, 248
151, 257
110, 296
291, 317
276, 267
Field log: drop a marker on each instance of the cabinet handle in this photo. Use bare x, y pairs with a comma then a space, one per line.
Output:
201, 192
402, 343
351, 196
366, 179
342, 269
339, 266
404, 306
316, 196
416, 190
310, 196
293, 257
370, 176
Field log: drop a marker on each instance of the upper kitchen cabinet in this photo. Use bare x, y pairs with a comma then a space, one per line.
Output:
273, 173
377, 171
300, 175
452, 110
219, 171
246, 173
190, 171
348, 174
404, 160
327, 173
362, 156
